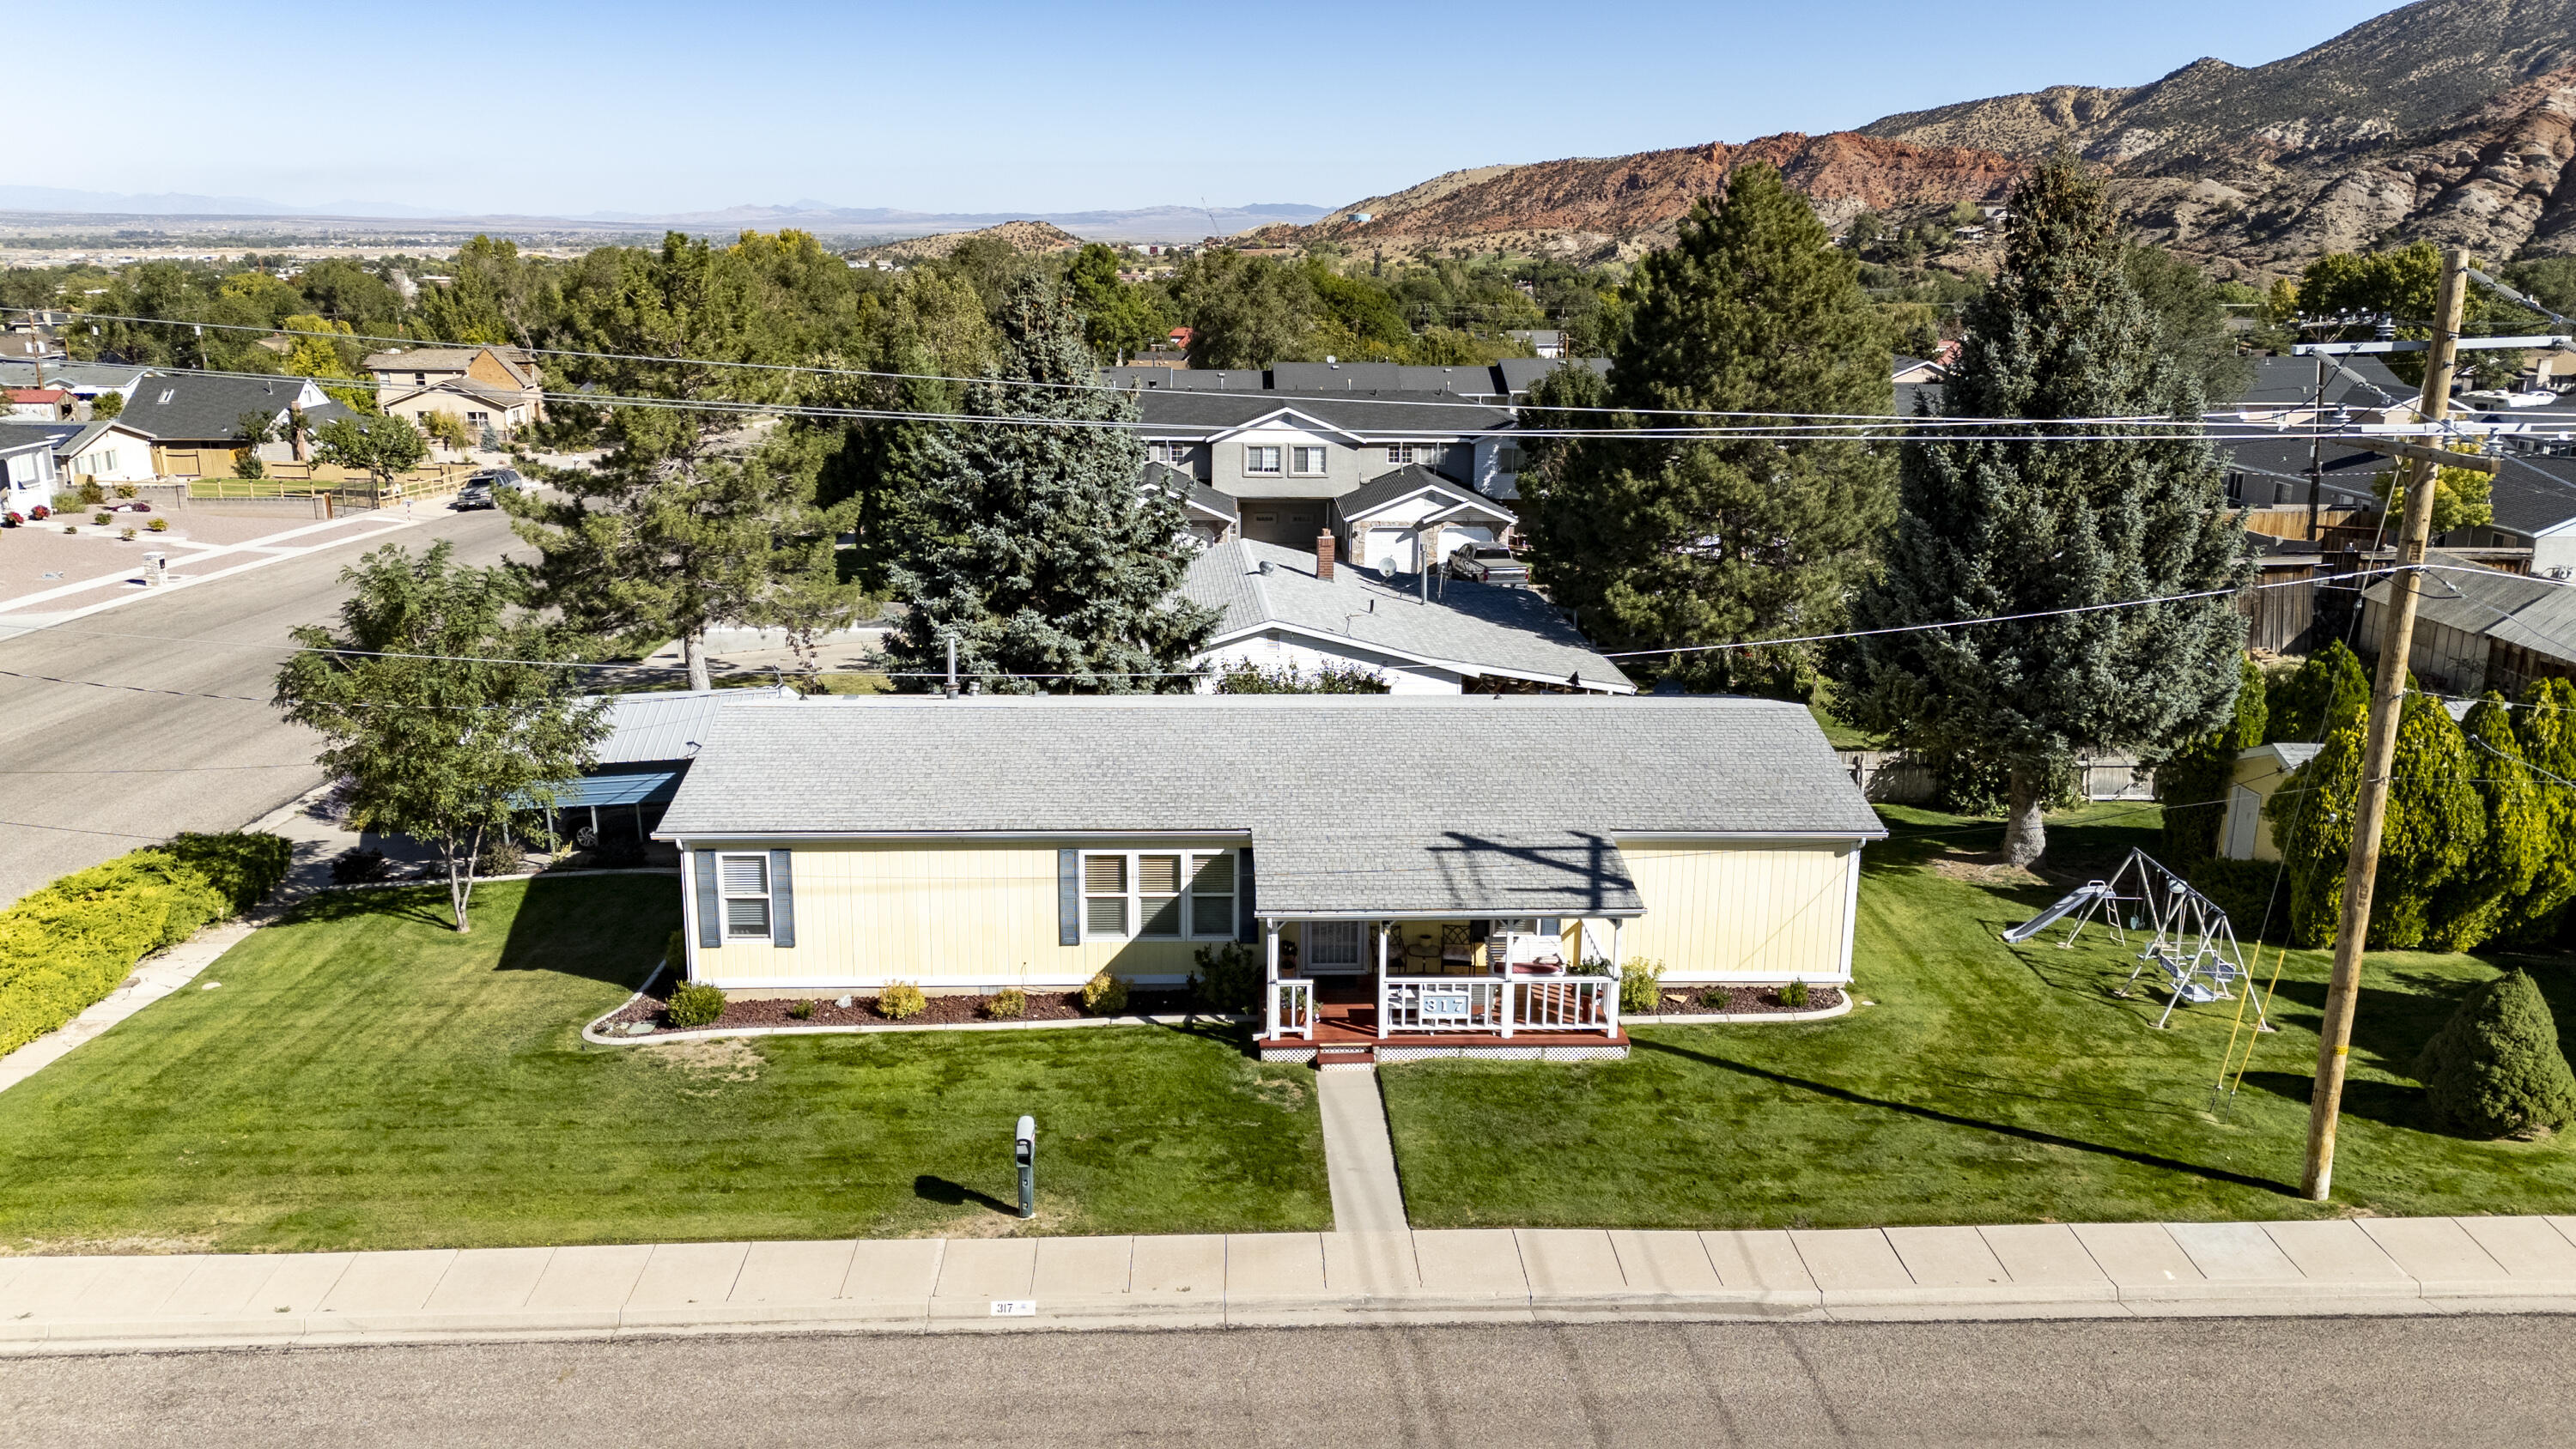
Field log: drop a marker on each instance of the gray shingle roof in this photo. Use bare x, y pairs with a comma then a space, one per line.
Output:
1500, 807
2533, 494
1412, 478
202, 408
78, 376
1191, 491
1475, 628
1369, 414
2288, 382
665, 725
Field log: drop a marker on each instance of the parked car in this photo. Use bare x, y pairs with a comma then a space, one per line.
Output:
473, 495
1488, 563
506, 480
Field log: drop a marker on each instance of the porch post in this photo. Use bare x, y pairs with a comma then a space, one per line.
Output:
1270, 993
1385, 1002
1617, 923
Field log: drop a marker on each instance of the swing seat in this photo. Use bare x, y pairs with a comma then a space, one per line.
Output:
2196, 994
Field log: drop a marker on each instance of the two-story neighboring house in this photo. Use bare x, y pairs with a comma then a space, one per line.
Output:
1298, 464
490, 388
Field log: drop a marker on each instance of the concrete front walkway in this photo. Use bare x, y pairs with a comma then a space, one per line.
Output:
2365, 1266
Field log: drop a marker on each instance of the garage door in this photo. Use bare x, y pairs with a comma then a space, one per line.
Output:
1390, 546
1292, 522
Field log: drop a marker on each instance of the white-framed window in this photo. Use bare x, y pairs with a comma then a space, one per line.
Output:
742, 893
1260, 458
1413, 452
1167, 895
1175, 454
1306, 461
1324, 944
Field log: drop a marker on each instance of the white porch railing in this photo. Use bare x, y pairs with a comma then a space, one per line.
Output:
1489, 1003
1292, 1009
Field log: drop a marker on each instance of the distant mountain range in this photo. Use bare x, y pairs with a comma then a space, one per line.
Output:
1147, 224
2447, 120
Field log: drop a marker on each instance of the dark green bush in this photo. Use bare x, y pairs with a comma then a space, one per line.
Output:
69, 944
695, 1004
1229, 978
1794, 996
2495, 1068
244, 865
2244, 890
801, 1011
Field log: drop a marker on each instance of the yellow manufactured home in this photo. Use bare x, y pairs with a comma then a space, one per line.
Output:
2244, 834
1469, 864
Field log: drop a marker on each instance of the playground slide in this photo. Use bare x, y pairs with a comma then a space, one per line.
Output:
2083, 896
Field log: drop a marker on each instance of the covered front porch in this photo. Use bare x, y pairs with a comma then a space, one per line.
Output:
1354, 992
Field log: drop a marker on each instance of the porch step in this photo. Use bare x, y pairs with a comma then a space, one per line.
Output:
1345, 1058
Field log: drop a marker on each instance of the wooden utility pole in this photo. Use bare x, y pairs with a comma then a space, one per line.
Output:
2387, 700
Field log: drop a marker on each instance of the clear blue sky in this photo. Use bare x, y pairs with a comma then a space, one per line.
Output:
558, 108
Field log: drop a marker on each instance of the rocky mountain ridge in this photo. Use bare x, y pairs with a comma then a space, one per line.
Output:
2444, 120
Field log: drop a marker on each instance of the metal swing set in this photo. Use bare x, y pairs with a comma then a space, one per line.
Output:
2189, 939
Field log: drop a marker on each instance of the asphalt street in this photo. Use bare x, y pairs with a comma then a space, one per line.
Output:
150, 718
2246, 1383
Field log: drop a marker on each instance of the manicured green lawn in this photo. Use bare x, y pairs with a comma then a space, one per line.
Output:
365, 1078
1988, 1084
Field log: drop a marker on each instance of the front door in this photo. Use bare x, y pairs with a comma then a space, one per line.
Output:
1330, 948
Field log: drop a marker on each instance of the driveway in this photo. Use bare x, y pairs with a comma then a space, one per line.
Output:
151, 716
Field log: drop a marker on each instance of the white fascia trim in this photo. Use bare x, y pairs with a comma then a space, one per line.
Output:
1035, 980
1462, 666
1304, 422
1467, 502
1685, 837
1742, 978
2559, 529
1462, 913
712, 840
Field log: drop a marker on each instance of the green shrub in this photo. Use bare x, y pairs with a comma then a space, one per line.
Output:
901, 999
124, 490
244, 865
1008, 1004
696, 1003
501, 857
1794, 995
2245, 890
101, 519
2495, 1068
1104, 994
1640, 985
69, 944
801, 1011
159, 525
1712, 998
1229, 978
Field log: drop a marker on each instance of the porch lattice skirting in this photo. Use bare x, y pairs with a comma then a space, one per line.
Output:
1497, 1051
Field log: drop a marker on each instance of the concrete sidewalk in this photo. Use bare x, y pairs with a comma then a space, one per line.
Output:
2365, 1266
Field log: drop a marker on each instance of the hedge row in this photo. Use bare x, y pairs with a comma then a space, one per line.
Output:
71, 943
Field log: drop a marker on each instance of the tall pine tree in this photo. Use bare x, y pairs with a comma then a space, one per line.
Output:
2545, 728
2474, 908
2326, 688
2433, 833
2002, 527
1674, 541
1036, 547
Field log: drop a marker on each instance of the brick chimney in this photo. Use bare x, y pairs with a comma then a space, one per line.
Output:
1324, 557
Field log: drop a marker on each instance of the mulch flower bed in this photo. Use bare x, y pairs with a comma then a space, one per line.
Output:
652, 1008
1738, 1001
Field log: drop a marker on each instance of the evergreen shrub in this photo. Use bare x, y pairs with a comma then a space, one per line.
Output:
1794, 996
1104, 994
801, 1011
1229, 978
901, 1000
2495, 1068
69, 944
1008, 1004
695, 1003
